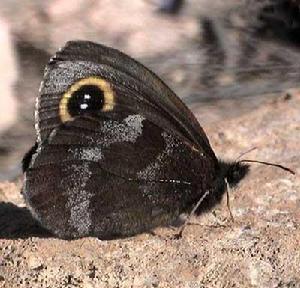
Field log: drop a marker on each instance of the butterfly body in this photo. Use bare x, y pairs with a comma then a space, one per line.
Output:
117, 152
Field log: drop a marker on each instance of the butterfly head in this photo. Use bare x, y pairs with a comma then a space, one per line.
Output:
234, 172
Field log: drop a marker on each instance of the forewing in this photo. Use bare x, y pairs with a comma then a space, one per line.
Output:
141, 90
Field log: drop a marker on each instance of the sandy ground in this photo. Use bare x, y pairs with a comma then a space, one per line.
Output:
260, 249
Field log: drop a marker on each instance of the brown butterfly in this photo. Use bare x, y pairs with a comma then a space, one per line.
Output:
117, 152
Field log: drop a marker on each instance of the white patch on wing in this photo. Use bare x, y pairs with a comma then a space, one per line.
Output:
126, 131
79, 199
87, 153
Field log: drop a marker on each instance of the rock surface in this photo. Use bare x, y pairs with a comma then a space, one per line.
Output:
259, 249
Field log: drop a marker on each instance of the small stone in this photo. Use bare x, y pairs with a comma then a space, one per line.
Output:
35, 262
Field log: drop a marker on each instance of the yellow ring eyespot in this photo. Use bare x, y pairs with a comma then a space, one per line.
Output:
87, 95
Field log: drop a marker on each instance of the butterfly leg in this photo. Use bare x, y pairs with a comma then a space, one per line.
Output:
187, 221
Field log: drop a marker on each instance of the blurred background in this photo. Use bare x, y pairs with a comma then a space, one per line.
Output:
223, 58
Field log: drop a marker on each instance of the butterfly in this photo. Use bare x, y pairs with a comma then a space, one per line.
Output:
117, 152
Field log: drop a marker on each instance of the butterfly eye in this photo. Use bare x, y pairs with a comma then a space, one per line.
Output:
87, 96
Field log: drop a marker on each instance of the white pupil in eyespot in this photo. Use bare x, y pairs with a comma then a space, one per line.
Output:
84, 106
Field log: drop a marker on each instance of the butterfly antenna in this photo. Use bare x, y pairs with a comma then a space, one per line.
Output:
244, 153
269, 164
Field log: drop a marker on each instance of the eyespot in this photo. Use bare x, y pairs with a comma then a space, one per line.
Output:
86, 96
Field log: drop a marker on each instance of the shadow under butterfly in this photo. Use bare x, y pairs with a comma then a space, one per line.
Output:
117, 152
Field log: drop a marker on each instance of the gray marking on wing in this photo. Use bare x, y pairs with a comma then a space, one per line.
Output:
152, 170
89, 153
126, 131
79, 199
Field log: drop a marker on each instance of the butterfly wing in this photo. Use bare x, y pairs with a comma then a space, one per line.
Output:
134, 162
110, 178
